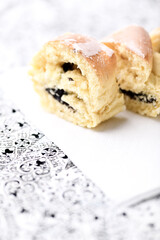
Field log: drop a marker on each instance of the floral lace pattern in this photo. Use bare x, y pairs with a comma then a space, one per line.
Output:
43, 195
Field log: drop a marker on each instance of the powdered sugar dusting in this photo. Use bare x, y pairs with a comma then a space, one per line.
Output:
69, 41
138, 50
108, 50
87, 46
132, 45
134, 38
91, 48
88, 49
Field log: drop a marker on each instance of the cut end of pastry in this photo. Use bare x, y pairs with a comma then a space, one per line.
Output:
145, 101
137, 78
75, 78
147, 106
133, 49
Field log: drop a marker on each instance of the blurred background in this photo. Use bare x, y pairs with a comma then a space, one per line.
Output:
26, 25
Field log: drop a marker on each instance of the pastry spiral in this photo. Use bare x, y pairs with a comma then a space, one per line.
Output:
138, 68
75, 78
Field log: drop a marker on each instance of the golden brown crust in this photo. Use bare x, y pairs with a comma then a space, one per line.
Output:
85, 92
135, 38
101, 58
92, 95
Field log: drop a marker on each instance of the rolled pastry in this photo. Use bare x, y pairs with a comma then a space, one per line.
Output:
136, 75
75, 78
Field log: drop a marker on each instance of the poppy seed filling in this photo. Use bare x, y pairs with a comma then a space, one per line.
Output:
142, 97
57, 94
69, 66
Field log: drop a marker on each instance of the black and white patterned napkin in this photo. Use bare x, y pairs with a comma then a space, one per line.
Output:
43, 195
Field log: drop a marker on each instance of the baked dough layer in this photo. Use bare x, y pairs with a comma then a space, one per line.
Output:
75, 78
137, 69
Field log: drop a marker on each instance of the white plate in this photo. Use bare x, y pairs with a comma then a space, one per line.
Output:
122, 155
